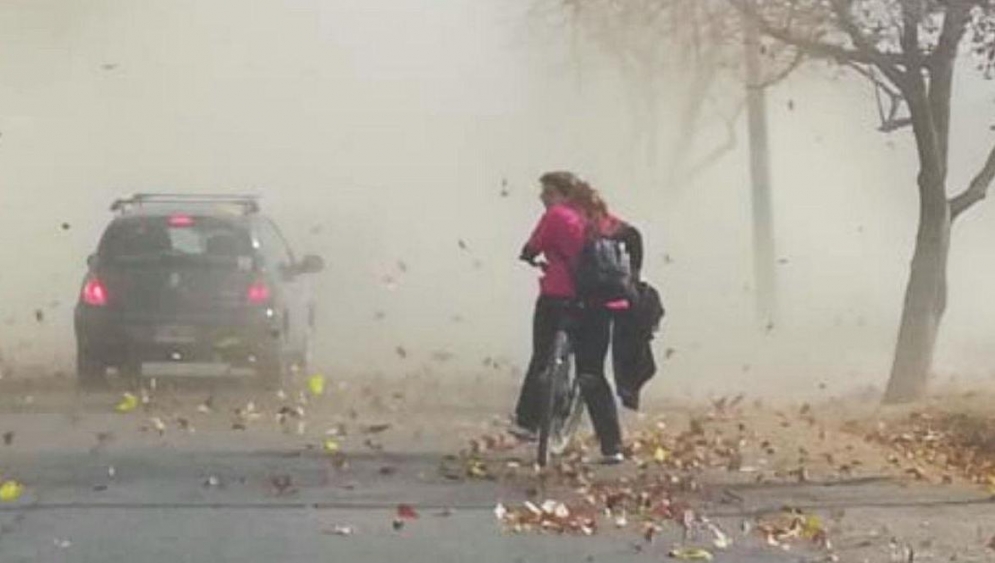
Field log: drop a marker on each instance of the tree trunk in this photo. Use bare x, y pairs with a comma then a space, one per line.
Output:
925, 301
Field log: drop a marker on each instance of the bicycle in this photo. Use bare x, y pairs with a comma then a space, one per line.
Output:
559, 386
561, 398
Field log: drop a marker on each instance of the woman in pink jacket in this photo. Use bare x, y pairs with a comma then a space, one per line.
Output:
560, 237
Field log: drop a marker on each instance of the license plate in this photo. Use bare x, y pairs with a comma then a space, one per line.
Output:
175, 334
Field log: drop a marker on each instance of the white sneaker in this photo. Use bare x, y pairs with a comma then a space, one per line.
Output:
613, 459
522, 433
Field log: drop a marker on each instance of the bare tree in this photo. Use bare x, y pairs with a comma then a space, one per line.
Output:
910, 50
689, 44
698, 48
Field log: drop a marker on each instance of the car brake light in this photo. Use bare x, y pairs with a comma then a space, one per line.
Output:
258, 293
180, 221
94, 293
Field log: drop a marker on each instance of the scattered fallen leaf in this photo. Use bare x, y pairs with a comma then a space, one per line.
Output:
207, 406
8, 438
282, 484
10, 491
406, 512
330, 446
690, 554
341, 531
158, 425
128, 403
376, 428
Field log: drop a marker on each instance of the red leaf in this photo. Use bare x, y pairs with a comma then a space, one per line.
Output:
406, 511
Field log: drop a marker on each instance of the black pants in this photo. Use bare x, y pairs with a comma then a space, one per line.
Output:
591, 332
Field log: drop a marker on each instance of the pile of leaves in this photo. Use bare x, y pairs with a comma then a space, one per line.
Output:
693, 449
952, 442
780, 529
483, 459
551, 516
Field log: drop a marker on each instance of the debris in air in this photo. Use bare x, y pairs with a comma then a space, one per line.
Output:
316, 384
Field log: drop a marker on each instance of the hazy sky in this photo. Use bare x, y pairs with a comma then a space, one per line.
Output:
381, 130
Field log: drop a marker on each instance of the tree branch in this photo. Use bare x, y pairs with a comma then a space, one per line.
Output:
784, 73
911, 17
977, 190
891, 121
887, 62
719, 151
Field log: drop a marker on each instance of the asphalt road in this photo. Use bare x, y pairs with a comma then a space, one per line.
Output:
104, 487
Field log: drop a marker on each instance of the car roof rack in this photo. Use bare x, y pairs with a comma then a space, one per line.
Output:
248, 203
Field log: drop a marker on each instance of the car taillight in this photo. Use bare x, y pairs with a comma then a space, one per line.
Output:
180, 221
258, 293
94, 293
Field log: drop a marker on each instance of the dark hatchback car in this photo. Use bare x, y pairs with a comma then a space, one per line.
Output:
180, 279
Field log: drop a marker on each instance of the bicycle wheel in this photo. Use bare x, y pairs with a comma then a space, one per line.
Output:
561, 400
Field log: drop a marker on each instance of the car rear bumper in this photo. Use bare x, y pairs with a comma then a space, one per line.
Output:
241, 338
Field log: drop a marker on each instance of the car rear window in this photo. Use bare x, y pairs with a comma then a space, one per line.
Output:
177, 235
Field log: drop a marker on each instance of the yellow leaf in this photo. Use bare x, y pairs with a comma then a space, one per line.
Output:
10, 491
660, 455
316, 384
331, 446
128, 403
691, 554
477, 470
811, 527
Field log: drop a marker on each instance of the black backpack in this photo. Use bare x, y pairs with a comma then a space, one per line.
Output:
604, 271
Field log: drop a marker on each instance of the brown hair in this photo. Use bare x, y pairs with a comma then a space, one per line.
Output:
578, 192
565, 183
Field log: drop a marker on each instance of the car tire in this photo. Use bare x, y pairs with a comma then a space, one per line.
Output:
91, 370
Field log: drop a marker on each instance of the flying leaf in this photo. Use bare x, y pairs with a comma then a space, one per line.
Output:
316, 384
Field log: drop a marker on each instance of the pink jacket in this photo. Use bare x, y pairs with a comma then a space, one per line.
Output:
559, 236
